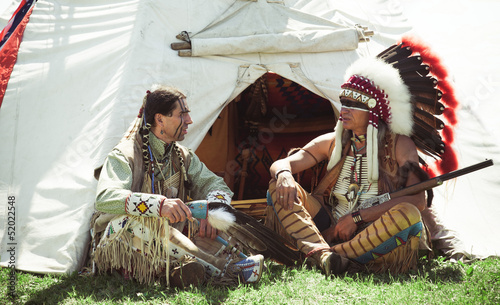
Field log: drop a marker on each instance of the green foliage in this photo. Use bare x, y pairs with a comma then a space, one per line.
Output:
436, 281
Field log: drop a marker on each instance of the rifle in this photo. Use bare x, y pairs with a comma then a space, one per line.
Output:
424, 185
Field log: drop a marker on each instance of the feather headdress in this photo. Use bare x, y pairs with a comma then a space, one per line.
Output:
404, 86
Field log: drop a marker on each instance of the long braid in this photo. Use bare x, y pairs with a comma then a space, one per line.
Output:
184, 177
147, 154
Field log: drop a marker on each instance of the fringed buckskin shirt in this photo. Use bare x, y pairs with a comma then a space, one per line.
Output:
115, 181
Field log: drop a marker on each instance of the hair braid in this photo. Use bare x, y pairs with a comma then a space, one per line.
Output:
148, 184
146, 154
177, 150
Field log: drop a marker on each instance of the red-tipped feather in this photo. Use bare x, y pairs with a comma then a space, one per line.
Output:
428, 57
448, 135
437, 68
429, 171
451, 116
448, 93
449, 161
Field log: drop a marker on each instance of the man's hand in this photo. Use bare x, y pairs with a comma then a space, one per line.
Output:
206, 229
286, 190
345, 228
175, 210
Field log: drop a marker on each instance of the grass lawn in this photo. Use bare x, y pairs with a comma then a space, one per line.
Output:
435, 282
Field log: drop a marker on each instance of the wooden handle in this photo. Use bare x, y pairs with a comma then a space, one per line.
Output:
184, 45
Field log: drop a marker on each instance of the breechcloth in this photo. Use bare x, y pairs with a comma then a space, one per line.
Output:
389, 243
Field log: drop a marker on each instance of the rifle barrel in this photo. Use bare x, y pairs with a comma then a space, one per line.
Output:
428, 184
466, 170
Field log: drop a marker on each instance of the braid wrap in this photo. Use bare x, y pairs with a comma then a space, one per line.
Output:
184, 177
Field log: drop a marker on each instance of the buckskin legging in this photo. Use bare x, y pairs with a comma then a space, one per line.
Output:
389, 243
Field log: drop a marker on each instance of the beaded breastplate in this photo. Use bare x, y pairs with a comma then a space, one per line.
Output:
352, 186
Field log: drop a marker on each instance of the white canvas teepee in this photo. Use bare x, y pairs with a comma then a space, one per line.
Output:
469, 205
83, 68
3, 8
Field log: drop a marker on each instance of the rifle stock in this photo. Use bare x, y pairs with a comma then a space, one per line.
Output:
417, 188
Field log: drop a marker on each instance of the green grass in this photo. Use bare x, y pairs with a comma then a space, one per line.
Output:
435, 282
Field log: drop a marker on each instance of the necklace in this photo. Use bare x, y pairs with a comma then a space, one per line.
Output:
357, 150
168, 190
354, 187
358, 139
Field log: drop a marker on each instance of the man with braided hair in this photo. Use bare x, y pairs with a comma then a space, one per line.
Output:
143, 226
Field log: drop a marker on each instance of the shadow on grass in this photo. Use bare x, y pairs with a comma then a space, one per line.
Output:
113, 288
432, 271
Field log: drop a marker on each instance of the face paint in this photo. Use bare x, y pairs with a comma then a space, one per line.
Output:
184, 110
350, 104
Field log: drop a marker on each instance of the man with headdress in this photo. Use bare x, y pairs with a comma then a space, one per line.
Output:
143, 226
387, 114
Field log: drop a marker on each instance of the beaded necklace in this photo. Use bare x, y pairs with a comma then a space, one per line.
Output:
353, 191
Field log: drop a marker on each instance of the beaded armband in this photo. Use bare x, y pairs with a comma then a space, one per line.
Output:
140, 204
356, 216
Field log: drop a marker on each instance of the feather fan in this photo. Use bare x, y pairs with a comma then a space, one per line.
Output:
247, 230
252, 233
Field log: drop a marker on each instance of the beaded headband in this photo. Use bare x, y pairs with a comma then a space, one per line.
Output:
363, 90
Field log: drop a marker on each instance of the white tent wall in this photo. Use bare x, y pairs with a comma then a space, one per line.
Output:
465, 34
82, 71
6, 9
52, 117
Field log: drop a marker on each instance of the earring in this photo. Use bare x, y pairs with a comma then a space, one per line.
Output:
161, 131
